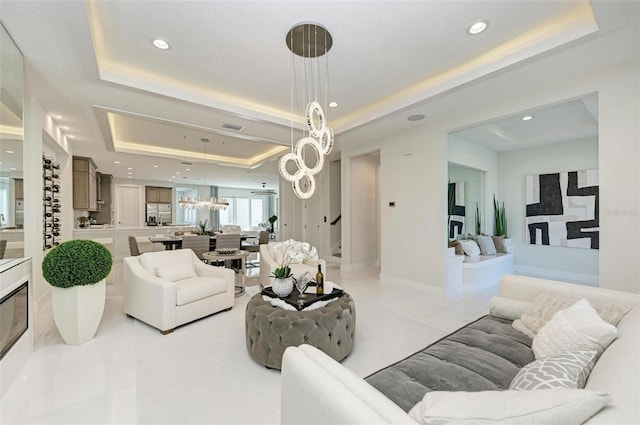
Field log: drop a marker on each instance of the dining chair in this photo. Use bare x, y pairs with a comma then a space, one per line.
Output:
229, 240
199, 244
262, 239
133, 246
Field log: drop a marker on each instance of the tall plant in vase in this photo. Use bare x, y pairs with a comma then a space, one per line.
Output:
500, 218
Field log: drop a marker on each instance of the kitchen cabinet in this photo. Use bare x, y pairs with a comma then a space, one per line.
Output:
19, 188
158, 195
105, 199
85, 184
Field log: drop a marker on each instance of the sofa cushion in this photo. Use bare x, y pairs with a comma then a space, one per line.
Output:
563, 370
177, 271
578, 327
546, 304
484, 355
549, 407
150, 261
470, 248
197, 288
498, 242
507, 308
486, 245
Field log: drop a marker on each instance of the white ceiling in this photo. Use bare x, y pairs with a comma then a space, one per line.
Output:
93, 64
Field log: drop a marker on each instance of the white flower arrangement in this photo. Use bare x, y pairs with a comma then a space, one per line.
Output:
293, 251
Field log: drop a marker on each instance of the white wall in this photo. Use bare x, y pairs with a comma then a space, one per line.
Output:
365, 208
580, 265
414, 234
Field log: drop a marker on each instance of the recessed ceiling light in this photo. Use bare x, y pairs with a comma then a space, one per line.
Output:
129, 177
160, 44
65, 127
155, 166
416, 117
177, 172
187, 169
116, 162
478, 27
527, 118
71, 136
13, 169
333, 104
173, 177
10, 151
58, 117
129, 168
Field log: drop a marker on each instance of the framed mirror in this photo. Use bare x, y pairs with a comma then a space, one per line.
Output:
11, 148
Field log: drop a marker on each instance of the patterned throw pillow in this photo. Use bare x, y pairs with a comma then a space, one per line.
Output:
470, 248
564, 370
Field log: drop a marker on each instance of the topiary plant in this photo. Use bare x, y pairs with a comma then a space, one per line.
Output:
76, 262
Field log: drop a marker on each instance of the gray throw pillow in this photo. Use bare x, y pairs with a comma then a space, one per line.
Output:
563, 370
486, 245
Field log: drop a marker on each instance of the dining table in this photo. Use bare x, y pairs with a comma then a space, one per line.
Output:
175, 242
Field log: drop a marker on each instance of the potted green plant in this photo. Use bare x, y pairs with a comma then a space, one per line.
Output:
77, 270
500, 226
272, 220
82, 221
202, 227
500, 218
291, 251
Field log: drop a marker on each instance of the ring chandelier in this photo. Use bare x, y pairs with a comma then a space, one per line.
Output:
309, 41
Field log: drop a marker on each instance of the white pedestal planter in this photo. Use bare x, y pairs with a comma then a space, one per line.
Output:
78, 310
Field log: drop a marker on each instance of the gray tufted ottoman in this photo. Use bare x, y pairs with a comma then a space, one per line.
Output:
270, 330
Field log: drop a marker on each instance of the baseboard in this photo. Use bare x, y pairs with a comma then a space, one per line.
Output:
560, 275
358, 267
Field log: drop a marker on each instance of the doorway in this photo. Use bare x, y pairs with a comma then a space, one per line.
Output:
128, 206
363, 229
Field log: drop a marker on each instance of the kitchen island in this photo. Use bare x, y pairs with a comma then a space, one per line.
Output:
117, 239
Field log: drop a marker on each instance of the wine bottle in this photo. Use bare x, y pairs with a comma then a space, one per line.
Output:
319, 281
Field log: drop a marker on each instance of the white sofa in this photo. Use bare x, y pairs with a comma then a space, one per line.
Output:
335, 395
268, 264
166, 289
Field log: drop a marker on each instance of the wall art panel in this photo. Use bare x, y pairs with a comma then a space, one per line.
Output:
562, 209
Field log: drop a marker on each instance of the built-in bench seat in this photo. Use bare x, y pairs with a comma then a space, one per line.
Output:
485, 270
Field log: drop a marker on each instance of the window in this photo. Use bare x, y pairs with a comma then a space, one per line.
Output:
256, 212
245, 212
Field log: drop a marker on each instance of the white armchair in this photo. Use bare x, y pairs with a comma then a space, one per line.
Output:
166, 289
268, 264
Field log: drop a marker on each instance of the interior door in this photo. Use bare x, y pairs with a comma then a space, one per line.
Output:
128, 206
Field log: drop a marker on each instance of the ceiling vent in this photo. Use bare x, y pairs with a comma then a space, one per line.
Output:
186, 163
235, 127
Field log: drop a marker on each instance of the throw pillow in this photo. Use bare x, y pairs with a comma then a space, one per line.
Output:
564, 370
546, 304
507, 308
470, 248
550, 407
175, 272
486, 245
498, 241
458, 246
578, 327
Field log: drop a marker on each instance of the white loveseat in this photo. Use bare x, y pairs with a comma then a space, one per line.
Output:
353, 401
166, 289
268, 264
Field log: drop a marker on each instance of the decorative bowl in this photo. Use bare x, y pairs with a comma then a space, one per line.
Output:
226, 251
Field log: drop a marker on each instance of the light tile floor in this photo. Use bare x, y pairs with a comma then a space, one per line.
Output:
201, 373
